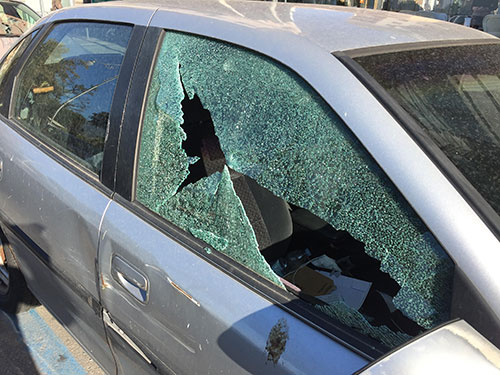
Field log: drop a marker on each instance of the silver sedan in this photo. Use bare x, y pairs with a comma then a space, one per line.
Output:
198, 187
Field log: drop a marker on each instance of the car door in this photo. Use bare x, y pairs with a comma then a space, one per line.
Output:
52, 150
173, 304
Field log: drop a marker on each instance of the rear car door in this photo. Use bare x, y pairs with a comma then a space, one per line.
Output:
52, 149
172, 302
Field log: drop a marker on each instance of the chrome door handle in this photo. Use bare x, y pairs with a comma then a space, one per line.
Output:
130, 278
1, 169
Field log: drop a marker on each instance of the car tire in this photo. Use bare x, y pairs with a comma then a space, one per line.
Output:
15, 297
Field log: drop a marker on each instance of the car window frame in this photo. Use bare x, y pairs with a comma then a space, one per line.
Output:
105, 181
471, 304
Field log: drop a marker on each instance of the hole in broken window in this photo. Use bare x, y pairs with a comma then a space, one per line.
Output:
199, 128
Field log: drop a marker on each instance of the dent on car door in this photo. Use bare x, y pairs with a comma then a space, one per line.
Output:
52, 151
256, 185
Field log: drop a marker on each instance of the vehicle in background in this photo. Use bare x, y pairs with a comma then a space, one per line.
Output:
491, 24
15, 19
428, 14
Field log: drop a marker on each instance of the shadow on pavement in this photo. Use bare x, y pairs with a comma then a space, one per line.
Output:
15, 358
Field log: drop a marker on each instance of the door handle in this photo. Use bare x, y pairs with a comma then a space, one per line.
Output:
130, 278
1, 169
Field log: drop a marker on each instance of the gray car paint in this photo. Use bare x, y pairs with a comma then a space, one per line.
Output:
135, 13
223, 328
57, 215
466, 352
271, 30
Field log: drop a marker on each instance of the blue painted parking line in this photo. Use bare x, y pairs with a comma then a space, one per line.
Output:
49, 354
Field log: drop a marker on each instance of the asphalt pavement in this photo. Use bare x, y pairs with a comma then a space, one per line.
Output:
34, 343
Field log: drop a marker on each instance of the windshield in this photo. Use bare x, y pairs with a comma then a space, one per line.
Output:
15, 19
454, 93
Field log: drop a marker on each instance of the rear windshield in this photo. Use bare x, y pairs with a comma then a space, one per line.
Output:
15, 19
454, 93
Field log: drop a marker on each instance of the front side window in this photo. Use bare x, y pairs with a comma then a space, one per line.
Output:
64, 91
240, 152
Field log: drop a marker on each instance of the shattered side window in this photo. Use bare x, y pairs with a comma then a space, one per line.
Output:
239, 151
209, 208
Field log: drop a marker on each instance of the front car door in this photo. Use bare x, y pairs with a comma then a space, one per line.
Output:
52, 148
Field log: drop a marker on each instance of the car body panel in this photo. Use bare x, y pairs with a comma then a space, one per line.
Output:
53, 207
53, 221
134, 14
332, 28
466, 352
197, 319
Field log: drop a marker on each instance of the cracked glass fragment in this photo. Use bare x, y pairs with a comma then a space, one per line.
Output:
193, 159
210, 238
275, 129
163, 164
211, 211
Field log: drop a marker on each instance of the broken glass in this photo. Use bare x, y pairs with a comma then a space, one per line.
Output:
353, 318
163, 164
275, 129
209, 209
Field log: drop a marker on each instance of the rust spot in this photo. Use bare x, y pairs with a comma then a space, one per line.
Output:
183, 292
2, 254
104, 283
276, 342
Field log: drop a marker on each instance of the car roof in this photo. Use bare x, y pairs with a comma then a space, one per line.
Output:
332, 28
